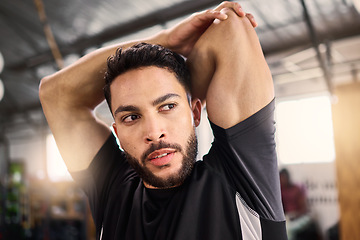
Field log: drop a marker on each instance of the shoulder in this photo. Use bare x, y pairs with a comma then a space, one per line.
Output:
108, 165
265, 116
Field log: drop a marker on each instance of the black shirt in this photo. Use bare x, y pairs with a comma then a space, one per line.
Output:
233, 193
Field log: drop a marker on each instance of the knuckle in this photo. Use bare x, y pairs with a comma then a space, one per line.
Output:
196, 14
209, 11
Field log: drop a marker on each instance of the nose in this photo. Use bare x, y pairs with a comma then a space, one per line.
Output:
154, 130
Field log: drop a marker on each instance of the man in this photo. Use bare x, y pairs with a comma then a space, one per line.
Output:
300, 224
153, 188
293, 196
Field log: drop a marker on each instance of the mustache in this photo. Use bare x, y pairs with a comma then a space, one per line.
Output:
157, 146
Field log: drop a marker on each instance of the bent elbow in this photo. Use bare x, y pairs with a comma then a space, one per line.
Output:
47, 89
43, 89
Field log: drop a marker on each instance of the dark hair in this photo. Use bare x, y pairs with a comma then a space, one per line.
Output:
285, 173
144, 55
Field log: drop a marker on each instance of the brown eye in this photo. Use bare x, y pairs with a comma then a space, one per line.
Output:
130, 118
167, 107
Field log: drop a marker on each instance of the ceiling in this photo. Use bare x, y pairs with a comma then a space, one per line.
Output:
310, 45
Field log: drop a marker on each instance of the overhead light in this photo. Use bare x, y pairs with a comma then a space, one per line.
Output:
1, 62
2, 90
357, 5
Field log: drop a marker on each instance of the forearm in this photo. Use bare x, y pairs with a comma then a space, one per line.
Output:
202, 68
87, 73
81, 84
230, 71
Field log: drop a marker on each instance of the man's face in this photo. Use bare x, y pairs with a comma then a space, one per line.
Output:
155, 125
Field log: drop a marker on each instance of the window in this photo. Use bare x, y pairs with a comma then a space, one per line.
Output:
305, 131
56, 167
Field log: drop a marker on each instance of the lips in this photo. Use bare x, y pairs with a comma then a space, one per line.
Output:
161, 157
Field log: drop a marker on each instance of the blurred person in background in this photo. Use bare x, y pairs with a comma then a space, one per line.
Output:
300, 224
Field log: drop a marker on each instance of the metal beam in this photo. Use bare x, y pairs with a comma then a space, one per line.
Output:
316, 43
151, 19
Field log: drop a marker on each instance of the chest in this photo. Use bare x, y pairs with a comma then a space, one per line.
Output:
200, 209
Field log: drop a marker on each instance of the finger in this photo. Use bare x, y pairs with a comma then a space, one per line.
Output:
217, 15
210, 15
252, 19
232, 5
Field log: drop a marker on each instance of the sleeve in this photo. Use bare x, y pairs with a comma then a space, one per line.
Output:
109, 168
245, 156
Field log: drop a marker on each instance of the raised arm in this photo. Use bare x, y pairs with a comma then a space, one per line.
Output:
229, 71
69, 97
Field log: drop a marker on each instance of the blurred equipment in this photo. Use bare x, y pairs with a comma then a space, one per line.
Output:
17, 205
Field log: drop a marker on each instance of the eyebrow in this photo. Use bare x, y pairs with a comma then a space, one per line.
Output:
131, 108
128, 108
164, 98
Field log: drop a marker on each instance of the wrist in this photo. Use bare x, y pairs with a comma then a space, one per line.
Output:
160, 38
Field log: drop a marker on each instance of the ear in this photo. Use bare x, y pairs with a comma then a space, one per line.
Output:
115, 129
196, 110
116, 133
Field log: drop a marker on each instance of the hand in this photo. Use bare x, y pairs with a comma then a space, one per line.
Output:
236, 7
182, 37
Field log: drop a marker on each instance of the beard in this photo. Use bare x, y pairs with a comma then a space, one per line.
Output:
174, 179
